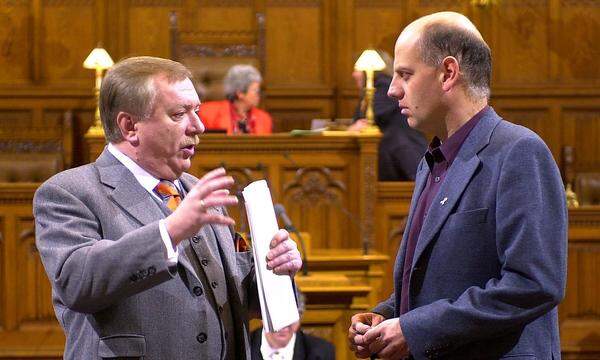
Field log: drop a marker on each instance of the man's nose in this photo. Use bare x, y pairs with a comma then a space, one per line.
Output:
395, 92
196, 125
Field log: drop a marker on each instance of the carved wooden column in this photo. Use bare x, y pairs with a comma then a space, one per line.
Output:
369, 146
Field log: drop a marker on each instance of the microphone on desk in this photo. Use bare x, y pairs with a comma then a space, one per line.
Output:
289, 226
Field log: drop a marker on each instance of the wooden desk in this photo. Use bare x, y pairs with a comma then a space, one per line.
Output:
340, 284
328, 184
579, 313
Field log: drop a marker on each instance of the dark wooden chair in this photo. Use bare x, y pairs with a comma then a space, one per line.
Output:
33, 155
209, 55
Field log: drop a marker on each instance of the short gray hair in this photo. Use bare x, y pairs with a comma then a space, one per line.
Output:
239, 78
129, 87
474, 57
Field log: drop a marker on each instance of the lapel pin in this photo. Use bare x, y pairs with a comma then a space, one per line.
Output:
443, 202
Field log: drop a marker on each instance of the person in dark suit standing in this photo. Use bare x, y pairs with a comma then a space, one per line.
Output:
401, 147
290, 343
482, 265
142, 256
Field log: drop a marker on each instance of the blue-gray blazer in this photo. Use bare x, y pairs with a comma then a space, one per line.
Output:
490, 264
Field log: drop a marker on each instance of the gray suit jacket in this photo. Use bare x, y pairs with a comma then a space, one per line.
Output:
490, 264
113, 292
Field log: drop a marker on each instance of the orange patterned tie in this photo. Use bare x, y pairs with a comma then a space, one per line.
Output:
167, 190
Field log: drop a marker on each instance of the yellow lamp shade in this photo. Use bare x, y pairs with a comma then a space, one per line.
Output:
98, 59
369, 60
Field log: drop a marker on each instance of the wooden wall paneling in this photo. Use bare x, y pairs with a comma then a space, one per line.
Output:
68, 33
3, 277
520, 32
418, 8
36, 41
536, 116
224, 16
11, 118
10, 277
343, 49
10, 266
584, 131
377, 25
52, 123
33, 288
560, 121
147, 27
297, 52
40, 119
577, 47
28, 326
15, 45
371, 24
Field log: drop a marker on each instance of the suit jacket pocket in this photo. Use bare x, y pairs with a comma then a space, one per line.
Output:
122, 345
467, 218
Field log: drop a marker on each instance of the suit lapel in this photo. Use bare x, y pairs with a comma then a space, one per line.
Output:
185, 252
127, 191
299, 347
134, 199
458, 177
459, 174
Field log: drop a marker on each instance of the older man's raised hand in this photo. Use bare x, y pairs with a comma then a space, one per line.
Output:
193, 212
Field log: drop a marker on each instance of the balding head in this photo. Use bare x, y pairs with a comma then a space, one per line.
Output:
444, 34
448, 18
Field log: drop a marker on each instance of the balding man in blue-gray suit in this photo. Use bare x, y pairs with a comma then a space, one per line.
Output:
482, 266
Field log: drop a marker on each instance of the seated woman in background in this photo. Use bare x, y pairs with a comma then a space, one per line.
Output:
239, 113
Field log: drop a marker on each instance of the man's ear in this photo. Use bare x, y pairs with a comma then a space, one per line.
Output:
450, 73
127, 125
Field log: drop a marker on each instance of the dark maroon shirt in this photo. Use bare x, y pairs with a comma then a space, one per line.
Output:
439, 158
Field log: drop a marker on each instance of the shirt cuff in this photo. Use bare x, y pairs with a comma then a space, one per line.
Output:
172, 252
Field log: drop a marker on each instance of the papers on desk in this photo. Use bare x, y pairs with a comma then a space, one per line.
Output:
276, 294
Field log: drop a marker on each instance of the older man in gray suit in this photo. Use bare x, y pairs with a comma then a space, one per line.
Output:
482, 265
142, 256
